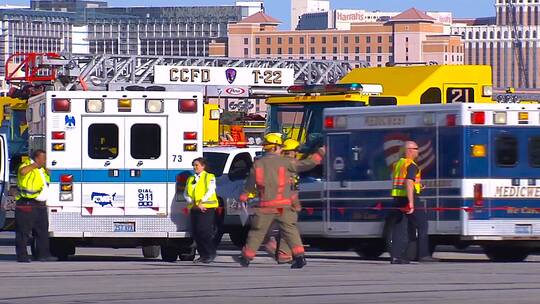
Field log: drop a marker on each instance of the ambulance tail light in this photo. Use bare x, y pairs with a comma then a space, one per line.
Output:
181, 180
478, 151
478, 196
95, 106
59, 147
66, 187
61, 105
329, 122
190, 135
66, 178
154, 106
451, 120
187, 105
58, 135
190, 147
478, 118
499, 118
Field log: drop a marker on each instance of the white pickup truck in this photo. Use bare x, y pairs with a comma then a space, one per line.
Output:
231, 166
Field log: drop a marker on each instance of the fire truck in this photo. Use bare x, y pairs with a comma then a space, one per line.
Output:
479, 163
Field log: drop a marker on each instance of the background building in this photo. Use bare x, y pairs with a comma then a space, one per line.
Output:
301, 7
23, 30
509, 42
411, 37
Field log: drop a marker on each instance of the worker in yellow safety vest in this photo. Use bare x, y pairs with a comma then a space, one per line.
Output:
200, 194
406, 186
31, 215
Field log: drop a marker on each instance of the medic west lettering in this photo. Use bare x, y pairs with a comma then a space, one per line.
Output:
509, 191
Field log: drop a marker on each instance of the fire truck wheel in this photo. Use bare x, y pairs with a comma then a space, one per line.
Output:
506, 254
169, 253
150, 252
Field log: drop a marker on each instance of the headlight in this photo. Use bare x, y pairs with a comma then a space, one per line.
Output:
214, 114
95, 106
154, 106
487, 91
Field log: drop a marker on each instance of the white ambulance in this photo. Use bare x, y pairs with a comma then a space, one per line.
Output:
118, 163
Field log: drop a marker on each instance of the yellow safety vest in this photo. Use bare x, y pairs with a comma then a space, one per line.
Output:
399, 176
198, 190
31, 184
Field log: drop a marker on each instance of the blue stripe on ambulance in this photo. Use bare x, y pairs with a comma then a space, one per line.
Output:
102, 176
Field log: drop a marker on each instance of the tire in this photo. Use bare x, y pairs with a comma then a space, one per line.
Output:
150, 252
506, 254
61, 249
169, 253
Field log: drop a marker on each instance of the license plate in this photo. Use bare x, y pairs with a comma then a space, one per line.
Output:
124, 227
523, 229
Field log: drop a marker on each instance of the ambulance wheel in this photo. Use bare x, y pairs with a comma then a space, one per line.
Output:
506, 254
61, 248
169, 253
187, 254
150, 252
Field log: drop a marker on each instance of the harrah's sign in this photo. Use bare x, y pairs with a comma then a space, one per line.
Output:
350, 17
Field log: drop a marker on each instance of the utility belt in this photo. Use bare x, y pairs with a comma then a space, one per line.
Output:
23, 201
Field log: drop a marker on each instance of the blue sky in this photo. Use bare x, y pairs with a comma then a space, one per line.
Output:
280, 9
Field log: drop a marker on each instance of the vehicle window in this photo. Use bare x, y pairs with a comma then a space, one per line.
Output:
145, 141
240, 166
534, 151
103, 141
431, 96
506, 151
216, 162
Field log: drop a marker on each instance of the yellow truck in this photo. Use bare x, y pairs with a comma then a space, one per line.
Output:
300, 115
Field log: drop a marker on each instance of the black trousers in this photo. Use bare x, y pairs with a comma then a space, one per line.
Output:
406, 226
202, 227
31, 218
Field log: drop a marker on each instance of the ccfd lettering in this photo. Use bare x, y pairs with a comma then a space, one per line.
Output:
189, 75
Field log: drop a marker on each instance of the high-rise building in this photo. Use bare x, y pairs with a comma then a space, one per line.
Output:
301, 7
411, 37
509, 42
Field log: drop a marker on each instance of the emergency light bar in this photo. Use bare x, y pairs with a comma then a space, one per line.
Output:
366, 89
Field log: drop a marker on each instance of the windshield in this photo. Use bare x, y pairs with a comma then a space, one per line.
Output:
216, 162
301, 122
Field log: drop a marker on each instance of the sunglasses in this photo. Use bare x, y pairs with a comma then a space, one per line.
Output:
413, 148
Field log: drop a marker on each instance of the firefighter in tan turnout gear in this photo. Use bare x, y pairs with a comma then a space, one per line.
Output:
272, 177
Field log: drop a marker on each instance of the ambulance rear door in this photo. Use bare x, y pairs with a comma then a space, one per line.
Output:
146, 165
4, 175
103, 163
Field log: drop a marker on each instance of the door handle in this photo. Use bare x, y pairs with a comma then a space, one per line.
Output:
135, 173
114, 173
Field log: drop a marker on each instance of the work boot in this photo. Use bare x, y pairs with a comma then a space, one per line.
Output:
240, 259
23, 260
298, 262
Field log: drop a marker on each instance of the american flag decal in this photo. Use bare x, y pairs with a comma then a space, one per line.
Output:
393, 144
